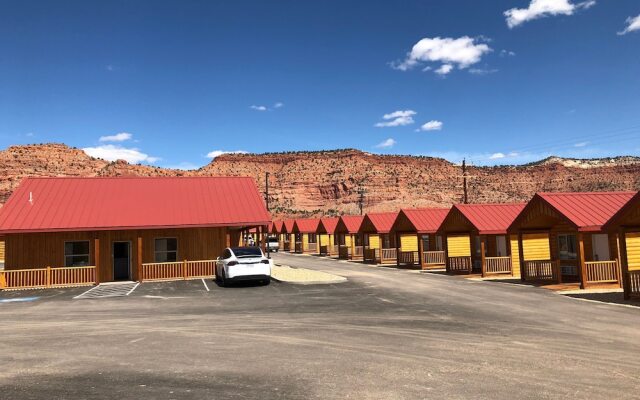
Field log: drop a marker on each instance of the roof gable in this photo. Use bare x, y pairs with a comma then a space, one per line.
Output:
486, 219
420, 220
328, 225
349, 224
288, 226
629, 214
277, 227
306, 225
74, 204
378, 222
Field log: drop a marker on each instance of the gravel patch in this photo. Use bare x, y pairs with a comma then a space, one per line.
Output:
285, 273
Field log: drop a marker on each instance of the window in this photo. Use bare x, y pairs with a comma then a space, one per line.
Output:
358, 240
567, 247
166, 250
342, 239
386, 242
439, 243
76, 254
336, 240
241, 252
425, 242
312, 238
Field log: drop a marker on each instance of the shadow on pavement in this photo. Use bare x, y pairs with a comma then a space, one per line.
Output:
614, 298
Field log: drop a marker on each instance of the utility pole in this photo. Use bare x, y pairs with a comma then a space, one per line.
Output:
361, 200
464, 181
266, 185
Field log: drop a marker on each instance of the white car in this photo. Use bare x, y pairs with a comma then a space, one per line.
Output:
243, 264
273, 244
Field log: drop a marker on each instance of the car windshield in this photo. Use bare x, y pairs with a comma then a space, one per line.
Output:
242, 252
273, 240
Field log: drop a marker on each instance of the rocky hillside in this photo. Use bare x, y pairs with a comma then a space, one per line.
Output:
330, 182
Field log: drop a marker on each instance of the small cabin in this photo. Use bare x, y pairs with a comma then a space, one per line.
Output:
124, 228
327, 238
417, 241
350, 242
277, 231
626, 225
476, 239
288, 237
379, 243
306, 236
561, 238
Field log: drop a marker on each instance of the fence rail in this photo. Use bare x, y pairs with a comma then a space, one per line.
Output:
460, 264
40, 278
497, 265
328, 250
389, 255
371, 255
433, 257
408, 257
179, 270
542, 270
634, 284
602, 271
312, 247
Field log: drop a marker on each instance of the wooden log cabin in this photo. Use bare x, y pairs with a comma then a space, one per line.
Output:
327, 239
475, 239
379, 244
125, 228
305, 231
561, 238
289, 238
277, 231
350, 242
625, 224
417, 241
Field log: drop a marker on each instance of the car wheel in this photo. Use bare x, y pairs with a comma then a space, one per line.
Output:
266, 282
223, 279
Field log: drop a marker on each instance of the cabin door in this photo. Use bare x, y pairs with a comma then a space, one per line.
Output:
121, 261
600, 246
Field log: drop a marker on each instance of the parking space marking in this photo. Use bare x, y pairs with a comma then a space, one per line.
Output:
205, 284
109, 290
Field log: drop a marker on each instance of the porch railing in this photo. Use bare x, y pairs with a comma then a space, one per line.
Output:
388, 255
179, 270
408, 257
344, 251
371, 255
298, 247
461, 264
358, 251
49, 277
433, 257
286, 246
542, 270
497, 265
602, 271
634, 283
327, 250
312, 247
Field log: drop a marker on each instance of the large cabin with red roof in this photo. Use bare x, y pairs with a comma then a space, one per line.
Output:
122, 227
417, 240
379, 244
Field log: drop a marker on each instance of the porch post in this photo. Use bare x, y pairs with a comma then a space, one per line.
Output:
96, 258
397, 249
581, 261
380, 246
624, 263
483, 246
523, 269
445, 247
139, 259
509, 251
353, 245
420, 251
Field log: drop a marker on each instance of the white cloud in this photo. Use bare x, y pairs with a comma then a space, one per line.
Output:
496, 156
482, 71
386, 144
112, 152
258, 108
544, 8
278, 105
633, 25
216, 153
449, 52
444, 69
397, 118
184, 166
433, 125
505, 53
118, 137
581, 144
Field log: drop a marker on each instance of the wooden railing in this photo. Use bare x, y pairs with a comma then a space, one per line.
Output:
433, 257
634, 284
408, 257
371, 255
170, 271
388, 255
329, 250
542, 270
344, 252
312, 247
40, 278
497, 265
358, 251
298, 247
602, 271
286, 246
460, 264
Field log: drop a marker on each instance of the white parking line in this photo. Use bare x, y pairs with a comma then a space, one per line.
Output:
205, 284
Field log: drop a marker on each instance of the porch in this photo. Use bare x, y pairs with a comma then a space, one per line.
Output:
380, 255
350, 252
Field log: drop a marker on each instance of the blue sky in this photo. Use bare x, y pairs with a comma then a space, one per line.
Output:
174, 83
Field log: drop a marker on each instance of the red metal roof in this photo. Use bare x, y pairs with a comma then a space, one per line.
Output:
426, 220
288, 225
491, 219
588, 211
306, 225
72, 204
277, 227
618, 217
382, 222
330, 224
352, 222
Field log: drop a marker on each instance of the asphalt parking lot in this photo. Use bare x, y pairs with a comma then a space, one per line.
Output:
383, 334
